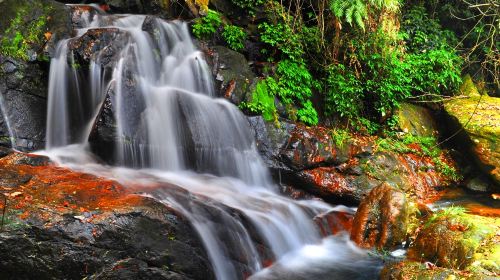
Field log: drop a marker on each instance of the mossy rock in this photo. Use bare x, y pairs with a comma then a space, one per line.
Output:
29, 29
416, 120
480, 118
410, 270
453, 239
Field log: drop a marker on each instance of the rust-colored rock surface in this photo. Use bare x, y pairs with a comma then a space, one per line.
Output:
382, 218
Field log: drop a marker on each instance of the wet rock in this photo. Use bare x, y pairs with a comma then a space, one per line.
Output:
382, 218
478, 184
234, 78
104, 43
453, 239
184, 9
24, 67
32, 160
333, 222
340, 169
68, 225
416, 120
310, 147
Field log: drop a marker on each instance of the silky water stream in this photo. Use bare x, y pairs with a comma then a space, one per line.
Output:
172, 130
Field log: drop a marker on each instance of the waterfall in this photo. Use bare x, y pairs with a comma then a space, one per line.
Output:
6, 119
174, 132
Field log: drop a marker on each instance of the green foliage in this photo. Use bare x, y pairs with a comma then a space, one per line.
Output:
262, 101
343, 92
234, 36
356, 11
422, 33
350, 11
435, 72
340, 136
283, 37
249, 5
22, 35
294, 86
206, 26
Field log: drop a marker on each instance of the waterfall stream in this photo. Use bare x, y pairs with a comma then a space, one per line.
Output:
6, 119
171, 130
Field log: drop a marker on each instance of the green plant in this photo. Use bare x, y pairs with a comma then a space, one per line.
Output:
249, 5
343, 92
234, 36
357, 11
294, 86
283, 37
23, 35
206, 26
340, 136
262, 101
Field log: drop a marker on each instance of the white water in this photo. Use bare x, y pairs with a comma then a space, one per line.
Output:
174, 131
6, 119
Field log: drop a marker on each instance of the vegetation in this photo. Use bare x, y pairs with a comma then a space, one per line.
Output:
234, 36
205, 27
23, 38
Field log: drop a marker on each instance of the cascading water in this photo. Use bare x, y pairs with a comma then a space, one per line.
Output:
168, 120
6, 119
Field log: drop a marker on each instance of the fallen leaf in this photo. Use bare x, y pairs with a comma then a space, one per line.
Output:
16, 194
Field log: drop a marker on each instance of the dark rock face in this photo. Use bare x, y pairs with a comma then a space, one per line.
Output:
160, 246
163, 9
61, 224
234, 78
24, 72
382, 218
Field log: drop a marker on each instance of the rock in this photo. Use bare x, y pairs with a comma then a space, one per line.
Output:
478, 184
479, 117
415, 270
453, 239
24, 67
104, 43
310, 147
185, 9
234, 78
341, 168
333, 222
416, 120
382, 218
68, 225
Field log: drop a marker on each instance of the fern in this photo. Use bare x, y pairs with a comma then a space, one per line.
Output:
350, 11
356, 11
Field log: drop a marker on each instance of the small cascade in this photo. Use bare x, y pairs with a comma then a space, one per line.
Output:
6, 119
189, 150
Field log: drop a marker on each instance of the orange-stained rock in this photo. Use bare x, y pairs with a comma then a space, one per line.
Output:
382, 218
334, 222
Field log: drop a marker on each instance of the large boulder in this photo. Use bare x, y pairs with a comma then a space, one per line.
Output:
479, 117
61, 224
452, 239
29, 31
382, 218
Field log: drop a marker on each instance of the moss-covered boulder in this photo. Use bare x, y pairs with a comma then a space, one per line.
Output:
382, 219
453, 239
419, 271
479, 116
416, 120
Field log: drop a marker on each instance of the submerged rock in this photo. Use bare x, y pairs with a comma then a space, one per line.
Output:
382, 218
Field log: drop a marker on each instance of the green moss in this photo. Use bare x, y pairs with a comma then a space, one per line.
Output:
25, 35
